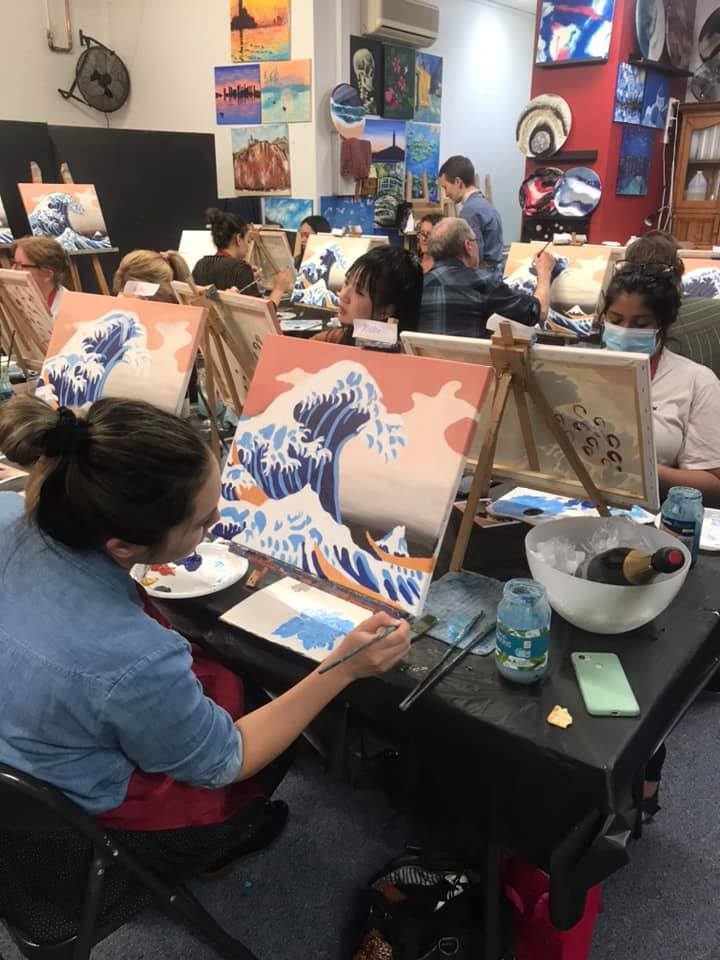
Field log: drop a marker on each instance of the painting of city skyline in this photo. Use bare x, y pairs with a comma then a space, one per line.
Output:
259, 30
237, 94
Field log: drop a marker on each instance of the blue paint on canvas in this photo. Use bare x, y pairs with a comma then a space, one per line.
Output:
237, 94
286, 212
703, 282
349, 212
315, 628
548, 506
636, 151
423, 158
629, 93
428, 87
574, 30
656, 100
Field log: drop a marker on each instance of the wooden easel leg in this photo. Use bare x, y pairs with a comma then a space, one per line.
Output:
100, 275
211, 396
481, 482
525, 426
74, 276
227, 372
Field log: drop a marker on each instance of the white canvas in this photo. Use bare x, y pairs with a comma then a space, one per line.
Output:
297, 616
195, 244
602, 400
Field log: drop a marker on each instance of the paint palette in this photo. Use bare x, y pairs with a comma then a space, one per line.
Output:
210, 569
535, 507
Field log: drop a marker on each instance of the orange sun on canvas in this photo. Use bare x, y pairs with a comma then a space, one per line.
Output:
260, 30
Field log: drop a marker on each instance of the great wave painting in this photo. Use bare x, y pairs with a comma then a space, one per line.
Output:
68, 212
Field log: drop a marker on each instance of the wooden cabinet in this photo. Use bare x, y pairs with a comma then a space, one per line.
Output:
696, 193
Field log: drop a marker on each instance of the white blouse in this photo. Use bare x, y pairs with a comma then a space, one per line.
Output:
686, 414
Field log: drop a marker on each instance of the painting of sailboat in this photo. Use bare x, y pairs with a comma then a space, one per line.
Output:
259, 30
286, 92
345, 464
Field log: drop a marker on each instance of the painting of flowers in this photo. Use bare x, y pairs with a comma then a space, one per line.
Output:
399, 92
117, 347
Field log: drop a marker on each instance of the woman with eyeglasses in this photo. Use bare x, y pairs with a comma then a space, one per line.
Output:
641, 305
423, 234
227, 268
47, 263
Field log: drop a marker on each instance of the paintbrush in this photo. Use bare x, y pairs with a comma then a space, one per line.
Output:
9, 356
448, 660
418, 627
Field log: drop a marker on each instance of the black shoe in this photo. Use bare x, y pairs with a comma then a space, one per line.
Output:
651, 806
261, 833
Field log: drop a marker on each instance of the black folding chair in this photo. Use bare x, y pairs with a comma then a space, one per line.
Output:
30, 805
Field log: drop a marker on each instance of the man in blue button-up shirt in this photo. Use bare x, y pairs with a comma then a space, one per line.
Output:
457, 178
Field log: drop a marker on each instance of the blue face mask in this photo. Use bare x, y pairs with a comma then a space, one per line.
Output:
630, 339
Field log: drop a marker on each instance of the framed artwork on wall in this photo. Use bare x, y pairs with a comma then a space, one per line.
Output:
399, 86
629, 93
259, 30
366, 72
636, 150
237, 94
428, 87
422, 161
656, 100
286, 212
261, 160
573, 31
286, 92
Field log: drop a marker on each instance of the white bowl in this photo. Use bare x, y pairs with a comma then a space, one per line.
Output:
603, 607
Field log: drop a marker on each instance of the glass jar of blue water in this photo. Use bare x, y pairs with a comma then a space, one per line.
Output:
682, 516
523, 631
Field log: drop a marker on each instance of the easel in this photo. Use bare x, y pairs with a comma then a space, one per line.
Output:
424, 206
260, 256
511, 362
66, 177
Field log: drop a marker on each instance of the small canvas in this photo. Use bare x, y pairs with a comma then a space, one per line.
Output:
345, 464
286, 94
573, 30
600, 398
68, 212
636, 150
629, 93
297, 616
428, 87
322, 271
23, 311
655, 100
237, 94
259, 30
286, 212
272, 253
399, 88
701, 278
346, 212
579, 277
120, 347
390, 192
423, 158
387, 140
366, 72
195, 244
261, 159
6, 236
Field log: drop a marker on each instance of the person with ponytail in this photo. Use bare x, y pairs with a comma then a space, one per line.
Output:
151, 266
641, 305
101, 698
227, 269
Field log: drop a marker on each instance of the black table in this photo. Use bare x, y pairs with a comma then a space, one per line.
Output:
552, 797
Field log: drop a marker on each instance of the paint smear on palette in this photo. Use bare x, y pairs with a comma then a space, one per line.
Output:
297, 616
532, 506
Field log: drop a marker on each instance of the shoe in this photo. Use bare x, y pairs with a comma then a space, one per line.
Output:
651, 806
260, 835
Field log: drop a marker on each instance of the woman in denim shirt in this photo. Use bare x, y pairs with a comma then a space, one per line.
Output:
97, 695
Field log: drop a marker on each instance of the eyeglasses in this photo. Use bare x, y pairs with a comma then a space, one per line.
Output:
655, 270
423, 234
19, 265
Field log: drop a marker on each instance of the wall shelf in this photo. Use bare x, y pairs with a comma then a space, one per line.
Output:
673, 71
567, 156
558, 64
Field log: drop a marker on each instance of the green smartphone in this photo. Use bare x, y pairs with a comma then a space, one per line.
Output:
604, 686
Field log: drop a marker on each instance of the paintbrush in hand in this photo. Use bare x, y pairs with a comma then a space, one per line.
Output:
418, 627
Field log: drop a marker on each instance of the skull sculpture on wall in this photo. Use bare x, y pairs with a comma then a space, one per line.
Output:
364, 69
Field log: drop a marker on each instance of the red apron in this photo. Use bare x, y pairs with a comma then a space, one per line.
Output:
155, 801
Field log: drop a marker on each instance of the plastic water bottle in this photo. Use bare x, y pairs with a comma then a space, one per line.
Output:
682, 516
523, 631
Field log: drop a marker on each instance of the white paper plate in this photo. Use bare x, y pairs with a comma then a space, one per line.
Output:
217, 569
286, 315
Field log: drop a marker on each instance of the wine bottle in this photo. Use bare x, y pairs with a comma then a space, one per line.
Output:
624, 566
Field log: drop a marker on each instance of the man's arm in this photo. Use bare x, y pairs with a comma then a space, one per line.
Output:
544, 264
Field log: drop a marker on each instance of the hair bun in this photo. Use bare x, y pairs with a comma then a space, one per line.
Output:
67, 437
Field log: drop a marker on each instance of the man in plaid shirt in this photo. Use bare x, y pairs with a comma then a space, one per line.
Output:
458, 297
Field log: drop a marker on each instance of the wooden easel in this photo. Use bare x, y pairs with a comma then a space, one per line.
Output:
260, 256
66, 177
511, 362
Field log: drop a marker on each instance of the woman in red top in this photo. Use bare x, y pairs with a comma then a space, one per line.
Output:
48, 264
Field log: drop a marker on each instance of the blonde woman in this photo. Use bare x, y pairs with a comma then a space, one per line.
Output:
152, 267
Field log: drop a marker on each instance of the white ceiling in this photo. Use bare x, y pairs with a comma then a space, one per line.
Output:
527, 6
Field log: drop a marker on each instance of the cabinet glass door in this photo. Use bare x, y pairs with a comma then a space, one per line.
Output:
702, 176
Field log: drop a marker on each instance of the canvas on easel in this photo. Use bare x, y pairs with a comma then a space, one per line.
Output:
269, 250
120, 347
322, 272
6, 236
701, 278
24, 313
599, 398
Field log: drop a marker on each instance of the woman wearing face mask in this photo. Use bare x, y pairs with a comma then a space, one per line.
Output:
641, 304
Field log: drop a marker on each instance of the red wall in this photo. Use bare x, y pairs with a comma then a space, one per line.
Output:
590, 93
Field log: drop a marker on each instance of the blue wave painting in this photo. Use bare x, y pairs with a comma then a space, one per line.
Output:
629, 93
636, 149
315, 629
349, 212
6, 236
656, 100
574, 30
312, 283
60, 214
423, 158
703, 282
286, 212
76, 377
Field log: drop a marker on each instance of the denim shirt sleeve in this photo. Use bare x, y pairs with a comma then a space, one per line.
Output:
159, 716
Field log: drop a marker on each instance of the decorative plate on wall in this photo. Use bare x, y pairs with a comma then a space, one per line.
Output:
347, 112
537, 191
650, 28
680, 27
543, 126
578, 192
705, 84
709, 39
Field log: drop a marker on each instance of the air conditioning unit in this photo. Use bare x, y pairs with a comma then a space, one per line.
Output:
412, 22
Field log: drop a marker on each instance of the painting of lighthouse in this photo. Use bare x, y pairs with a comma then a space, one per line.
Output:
261, 160
259, 30
387, 140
